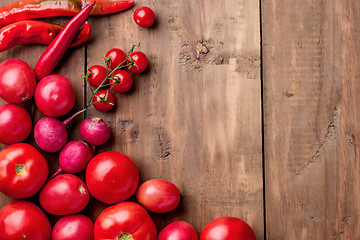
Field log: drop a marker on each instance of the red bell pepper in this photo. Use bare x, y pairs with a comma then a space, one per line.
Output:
52, 55
33, 9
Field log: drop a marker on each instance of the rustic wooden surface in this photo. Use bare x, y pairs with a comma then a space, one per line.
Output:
194, 117
311, 118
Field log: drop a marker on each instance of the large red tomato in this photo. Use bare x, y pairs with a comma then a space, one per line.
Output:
63, 195
24, 220
227, 228
23, 170
125, 220
17, 81
112, 177
158, 195
178, 230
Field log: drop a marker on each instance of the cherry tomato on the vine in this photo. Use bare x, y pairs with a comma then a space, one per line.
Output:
144, 17
97, 74
103, 100
116, 56
140, 60
121, 81
224, 228
24, 220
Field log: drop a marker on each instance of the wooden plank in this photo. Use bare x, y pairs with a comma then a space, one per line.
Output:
311, 116
193, 118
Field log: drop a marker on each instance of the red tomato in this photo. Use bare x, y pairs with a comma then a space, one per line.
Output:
23, 170
17, 81
15, 124
158, 195
121, 81
76, 226
227, 228
54, 95
144, 17
125, 220
112, 177
116, 56
103, 100
63, 195
140, 60
178, 230
24, 220
97, 74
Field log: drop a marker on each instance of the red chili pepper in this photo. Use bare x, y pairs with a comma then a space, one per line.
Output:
54, 52
32, 9
31, 31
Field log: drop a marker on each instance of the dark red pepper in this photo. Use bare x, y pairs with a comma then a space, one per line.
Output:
54, 52
31, 31
33, 9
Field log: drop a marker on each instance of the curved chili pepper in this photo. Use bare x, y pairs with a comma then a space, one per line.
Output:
31, 31
54, 52
33, 9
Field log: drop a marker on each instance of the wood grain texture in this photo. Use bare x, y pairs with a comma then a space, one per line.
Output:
192, 118
311, 118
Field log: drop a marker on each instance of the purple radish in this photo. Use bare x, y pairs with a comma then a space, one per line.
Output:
50, 134
74, 157
95, 130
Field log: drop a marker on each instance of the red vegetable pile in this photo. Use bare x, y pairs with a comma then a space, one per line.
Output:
111, 177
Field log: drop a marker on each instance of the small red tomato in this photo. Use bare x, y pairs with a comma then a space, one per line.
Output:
54, 95
140, 60
144, 17
227, 228
125, 220
17, 81
158, 195
116, 56
24, 220
64, 195
121, 81
23, 170
112, 177
96, 74
15, 124
76, 226
178, 230
103, 100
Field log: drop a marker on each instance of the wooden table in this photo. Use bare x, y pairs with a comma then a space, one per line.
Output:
249, 107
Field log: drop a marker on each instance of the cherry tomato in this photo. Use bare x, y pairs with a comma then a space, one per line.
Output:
158, 195
227, 228
63, 195
178, 230
23, 220
15, 124
23, 170
97, 74
144, 17
54, 95
125, 220
121, 81
103, 100
17, 81
112, 177
76, 226
117, 56
140, 60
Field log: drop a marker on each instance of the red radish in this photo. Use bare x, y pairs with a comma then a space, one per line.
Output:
54, 95
76, 226
95, 130
15, 124
178, 230
50, 134
63, 195
74, 157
